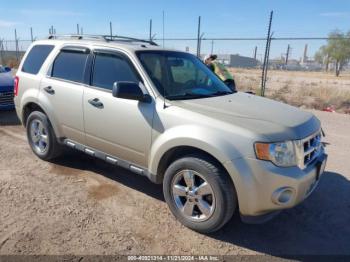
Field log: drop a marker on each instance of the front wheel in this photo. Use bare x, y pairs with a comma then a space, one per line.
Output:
199, 193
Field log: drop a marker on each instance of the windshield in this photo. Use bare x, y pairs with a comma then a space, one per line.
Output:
179, 75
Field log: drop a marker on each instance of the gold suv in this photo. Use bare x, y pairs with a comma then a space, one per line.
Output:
163, 114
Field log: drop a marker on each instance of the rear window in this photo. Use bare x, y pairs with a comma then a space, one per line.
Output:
35, 59
70, 66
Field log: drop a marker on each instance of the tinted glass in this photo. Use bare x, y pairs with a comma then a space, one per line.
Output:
36, 57
180, 75
110, 68
70, 66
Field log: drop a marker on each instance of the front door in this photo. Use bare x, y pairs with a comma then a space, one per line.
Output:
118, 127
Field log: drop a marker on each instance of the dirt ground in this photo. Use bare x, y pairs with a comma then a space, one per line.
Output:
312, 90
82, 206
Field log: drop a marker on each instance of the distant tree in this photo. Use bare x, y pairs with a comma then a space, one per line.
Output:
322, 56
337, 51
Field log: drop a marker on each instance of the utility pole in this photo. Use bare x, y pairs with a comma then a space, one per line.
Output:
198, 37
31, 34
287, 54
110, 30
266, 57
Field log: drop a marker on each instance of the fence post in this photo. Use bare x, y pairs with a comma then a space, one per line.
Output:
110, 30
31, 34
150, 30
266, 57
163, 24
255, 52
287, 54
16, 45
78, 29
267, 62
1, 51
198, 37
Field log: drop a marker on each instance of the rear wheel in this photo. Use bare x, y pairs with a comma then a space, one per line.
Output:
41, 136
199, 193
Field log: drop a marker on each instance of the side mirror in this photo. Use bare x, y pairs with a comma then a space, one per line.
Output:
130, 90
7, 69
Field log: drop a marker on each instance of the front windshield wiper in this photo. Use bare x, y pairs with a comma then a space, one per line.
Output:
188, 96
222, 93
195, 96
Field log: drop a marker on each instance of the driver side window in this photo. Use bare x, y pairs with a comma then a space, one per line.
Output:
110, 68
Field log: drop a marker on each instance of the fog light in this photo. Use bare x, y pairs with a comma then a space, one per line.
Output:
283, 196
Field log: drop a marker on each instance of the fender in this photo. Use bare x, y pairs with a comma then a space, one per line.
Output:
43, 105
194, 136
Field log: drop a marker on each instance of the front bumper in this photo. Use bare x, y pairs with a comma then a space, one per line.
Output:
264, 188
7, 99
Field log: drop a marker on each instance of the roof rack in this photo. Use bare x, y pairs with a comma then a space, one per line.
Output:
78, 37
106, 38
128, 39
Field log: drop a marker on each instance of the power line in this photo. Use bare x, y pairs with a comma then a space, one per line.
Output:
251, 38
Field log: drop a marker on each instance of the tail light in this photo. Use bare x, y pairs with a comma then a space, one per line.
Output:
15, 88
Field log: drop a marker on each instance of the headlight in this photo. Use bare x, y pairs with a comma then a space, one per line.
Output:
281, 154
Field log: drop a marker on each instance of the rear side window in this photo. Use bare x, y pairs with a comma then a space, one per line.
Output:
70, 66
109, 68
35, 59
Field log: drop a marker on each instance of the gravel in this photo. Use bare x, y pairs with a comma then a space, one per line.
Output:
82, 206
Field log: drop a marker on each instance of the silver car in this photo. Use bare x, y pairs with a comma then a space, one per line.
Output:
163, 114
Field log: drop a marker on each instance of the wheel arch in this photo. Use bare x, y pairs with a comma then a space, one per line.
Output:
34, 106
180, 151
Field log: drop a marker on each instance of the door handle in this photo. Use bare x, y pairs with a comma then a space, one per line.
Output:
49, 90
96, 102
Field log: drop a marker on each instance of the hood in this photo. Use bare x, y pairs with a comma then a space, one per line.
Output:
6, 81
258, 114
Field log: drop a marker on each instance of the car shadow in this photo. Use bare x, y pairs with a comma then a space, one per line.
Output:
318, 226
80, 161
9, 118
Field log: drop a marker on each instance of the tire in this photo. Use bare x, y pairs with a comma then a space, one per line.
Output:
41, 136
218, 207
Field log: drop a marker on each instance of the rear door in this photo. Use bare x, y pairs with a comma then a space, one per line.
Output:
62, 91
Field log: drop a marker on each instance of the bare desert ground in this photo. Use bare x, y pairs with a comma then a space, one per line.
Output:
82, 206
313, 90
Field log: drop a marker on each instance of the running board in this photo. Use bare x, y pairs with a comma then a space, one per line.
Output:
111, 159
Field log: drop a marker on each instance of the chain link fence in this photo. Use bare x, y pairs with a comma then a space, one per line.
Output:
282, 68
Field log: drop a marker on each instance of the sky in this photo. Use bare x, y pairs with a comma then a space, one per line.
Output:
220, 18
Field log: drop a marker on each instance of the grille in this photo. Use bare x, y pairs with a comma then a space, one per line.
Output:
312, 148
6, 98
